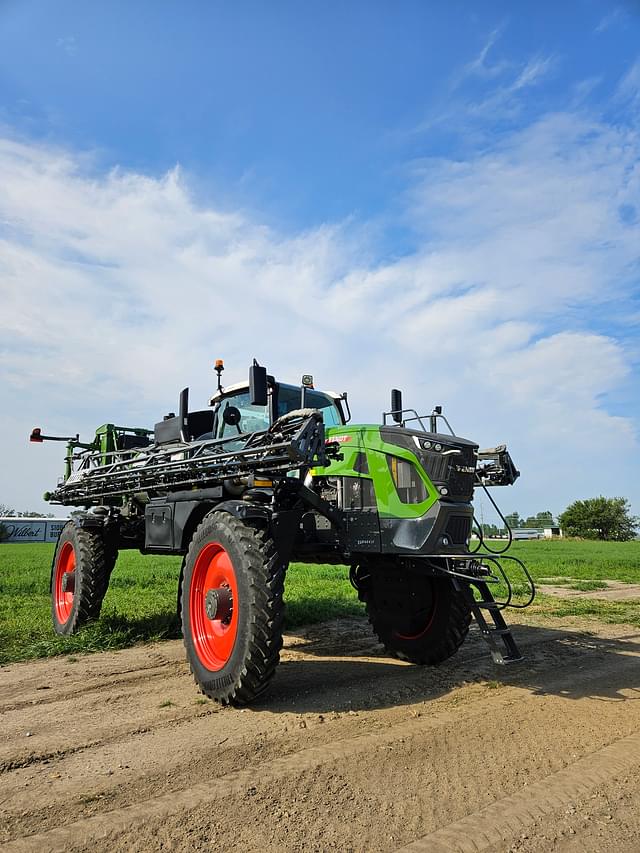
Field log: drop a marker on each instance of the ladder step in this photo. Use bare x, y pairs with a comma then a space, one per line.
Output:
487, 605
504, 660
499, 632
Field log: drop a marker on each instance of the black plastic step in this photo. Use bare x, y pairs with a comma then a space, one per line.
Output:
502, 632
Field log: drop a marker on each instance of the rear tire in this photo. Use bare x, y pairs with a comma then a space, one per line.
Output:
419, 618
80, 572
232, 608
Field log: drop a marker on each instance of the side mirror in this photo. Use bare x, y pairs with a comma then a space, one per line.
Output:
396, 405
231, 415
257, 385
183, 413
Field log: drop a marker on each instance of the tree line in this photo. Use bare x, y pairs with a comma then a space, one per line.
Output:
593, 518
8, 512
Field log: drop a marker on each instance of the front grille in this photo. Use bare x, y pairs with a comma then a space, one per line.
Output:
449, 470
461, 481
458, 529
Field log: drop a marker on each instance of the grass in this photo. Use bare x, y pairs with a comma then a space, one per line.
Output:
580, 559
140, 605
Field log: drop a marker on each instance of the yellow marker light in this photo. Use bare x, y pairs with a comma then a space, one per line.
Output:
219, 363
262, 484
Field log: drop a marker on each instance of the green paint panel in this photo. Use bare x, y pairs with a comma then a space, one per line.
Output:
366, 438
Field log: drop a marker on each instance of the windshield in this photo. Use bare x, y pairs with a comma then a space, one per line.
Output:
252, 418
289, 399
256, 418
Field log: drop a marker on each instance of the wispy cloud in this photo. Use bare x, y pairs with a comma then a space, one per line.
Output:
118, 289
610, 19
481, 66
628, 90
483, 91
68, 45
532, 73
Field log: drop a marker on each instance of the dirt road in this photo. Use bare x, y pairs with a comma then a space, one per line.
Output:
351, 751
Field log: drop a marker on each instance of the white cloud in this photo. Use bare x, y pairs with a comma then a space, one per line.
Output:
628, 90
68, 44
480, 66
534, 70
610, 19
117, 289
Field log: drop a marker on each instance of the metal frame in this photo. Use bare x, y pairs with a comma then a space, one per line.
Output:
294, 442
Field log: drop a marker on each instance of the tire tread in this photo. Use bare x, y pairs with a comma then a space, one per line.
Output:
265, 575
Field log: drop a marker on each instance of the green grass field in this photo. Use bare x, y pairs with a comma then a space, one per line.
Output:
141, 603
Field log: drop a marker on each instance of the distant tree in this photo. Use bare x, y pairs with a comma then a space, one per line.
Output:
489, 530
514, 520
32, 514
541, 519
600, 518
6, 511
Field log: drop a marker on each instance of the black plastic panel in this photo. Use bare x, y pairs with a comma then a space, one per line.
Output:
159, 526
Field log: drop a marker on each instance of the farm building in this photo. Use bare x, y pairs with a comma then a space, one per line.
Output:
536, 532
528, 533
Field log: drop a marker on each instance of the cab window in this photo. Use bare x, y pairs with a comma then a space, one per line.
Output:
289, 399
252, 418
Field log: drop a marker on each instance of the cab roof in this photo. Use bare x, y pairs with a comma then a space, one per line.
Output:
244, 386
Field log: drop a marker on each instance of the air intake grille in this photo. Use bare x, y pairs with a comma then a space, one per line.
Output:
458, 529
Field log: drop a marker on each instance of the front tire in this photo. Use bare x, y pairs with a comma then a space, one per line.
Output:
419, 618
232, 608
82, 565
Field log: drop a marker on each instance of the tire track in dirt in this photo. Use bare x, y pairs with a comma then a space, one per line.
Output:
98, 710
450, 726
52, 674
506, 819
522, 807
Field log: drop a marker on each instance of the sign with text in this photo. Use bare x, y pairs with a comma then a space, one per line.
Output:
32, 529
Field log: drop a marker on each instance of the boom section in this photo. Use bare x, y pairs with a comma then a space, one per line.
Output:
294, 442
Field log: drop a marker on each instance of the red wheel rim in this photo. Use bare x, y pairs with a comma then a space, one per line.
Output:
213, 639
63, 599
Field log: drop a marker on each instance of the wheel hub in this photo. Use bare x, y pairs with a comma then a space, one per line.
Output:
69, 582
219, 604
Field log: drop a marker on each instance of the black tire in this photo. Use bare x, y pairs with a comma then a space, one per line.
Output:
418, 618
234, 655
84, 555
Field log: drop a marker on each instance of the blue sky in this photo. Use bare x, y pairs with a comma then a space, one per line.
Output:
441, 196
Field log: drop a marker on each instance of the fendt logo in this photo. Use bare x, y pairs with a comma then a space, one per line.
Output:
340, 439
